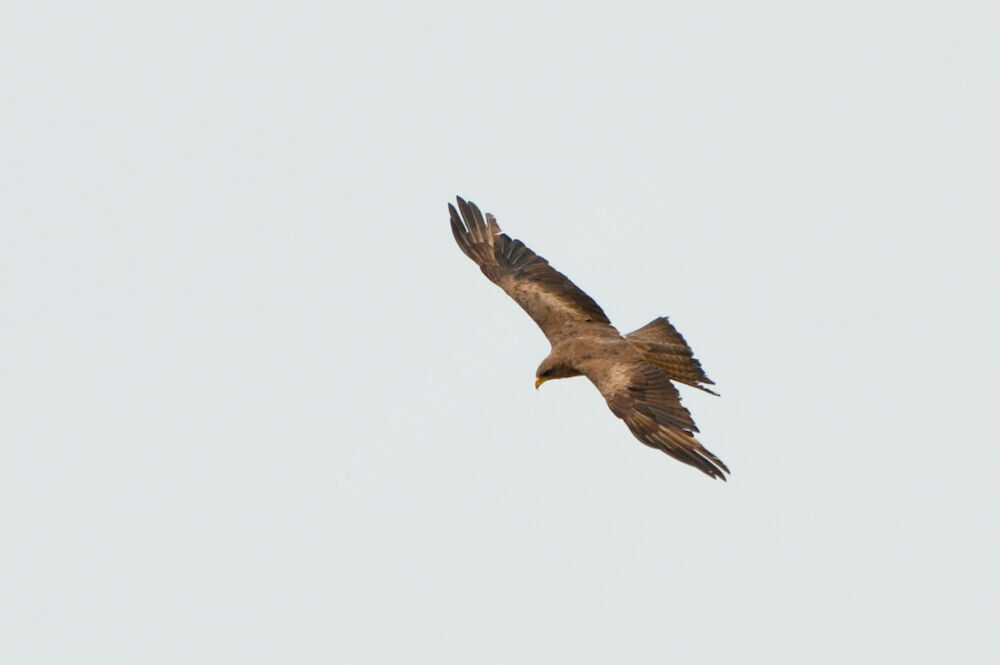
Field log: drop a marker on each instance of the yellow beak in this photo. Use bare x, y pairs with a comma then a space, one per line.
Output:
539, 381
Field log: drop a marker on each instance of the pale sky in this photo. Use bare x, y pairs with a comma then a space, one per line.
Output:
257, 407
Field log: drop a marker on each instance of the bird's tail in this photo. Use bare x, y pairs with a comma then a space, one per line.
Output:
662, 346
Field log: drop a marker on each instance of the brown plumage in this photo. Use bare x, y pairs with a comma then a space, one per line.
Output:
633, 372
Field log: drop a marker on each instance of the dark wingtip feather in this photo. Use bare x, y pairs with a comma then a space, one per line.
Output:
675, 442
716, 463
460, 232
472, 233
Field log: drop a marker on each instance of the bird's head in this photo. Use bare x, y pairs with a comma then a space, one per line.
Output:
553, 368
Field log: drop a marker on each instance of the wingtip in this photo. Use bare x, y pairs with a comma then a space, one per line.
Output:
713, 468
720, 469
473, 234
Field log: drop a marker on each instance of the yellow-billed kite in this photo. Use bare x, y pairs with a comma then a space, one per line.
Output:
633, 372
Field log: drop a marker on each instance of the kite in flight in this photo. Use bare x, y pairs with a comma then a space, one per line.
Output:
633, 372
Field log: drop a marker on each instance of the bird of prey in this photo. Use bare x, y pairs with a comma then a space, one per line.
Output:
633, 372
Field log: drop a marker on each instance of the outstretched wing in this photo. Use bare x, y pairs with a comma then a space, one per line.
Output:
554, 302
642, 396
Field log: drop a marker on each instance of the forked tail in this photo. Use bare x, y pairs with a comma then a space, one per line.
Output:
662, 346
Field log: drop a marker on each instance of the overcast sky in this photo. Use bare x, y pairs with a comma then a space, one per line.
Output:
257, 407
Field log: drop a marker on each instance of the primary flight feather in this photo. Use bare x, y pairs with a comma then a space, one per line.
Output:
633, 372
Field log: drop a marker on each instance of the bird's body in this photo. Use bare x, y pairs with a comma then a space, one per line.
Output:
633, 372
